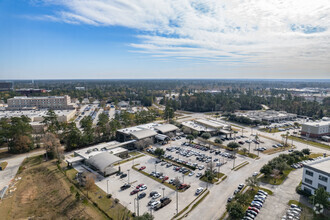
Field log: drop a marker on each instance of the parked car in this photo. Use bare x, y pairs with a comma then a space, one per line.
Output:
134, 191
155, 196
142, 168
154, 204
125, 186
144, 187
151, 194
199, 190
138, 186
123, 175
230, 199
142, 195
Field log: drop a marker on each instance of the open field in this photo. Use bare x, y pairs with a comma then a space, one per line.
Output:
273, 181
44, 193
312, 143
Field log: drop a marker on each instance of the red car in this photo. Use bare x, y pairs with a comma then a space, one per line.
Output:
138, 186
134, 191
254, 209
142, 168
165, 178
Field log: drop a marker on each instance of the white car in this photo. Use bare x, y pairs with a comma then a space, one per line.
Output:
154, 204
191, 173
144, 187
198, 174
255, 174
157, 195
199, 190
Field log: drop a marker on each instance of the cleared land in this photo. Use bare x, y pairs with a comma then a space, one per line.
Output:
44, 193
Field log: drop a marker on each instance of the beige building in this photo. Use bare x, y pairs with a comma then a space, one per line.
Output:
46, 102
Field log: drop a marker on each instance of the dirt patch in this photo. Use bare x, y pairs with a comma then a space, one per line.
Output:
44, 193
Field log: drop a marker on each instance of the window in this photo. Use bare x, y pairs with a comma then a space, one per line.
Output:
309, 173
320, 185
309, 191
323, 178
308, 181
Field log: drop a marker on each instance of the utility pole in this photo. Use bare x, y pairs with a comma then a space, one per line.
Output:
128, 176
234, 161
137, 202
249, 146
108, 187
155, 168
177, 200
163, 191
134, 205
182, 178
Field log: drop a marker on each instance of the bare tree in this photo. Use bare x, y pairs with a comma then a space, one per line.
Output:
90, 182
52, 146
275, 174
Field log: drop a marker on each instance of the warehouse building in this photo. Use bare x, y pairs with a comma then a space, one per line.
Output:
316, 175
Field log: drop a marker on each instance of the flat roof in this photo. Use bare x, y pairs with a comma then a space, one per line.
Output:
210, 123
322, 165
33, 113
317, 123
37, 97
166, 128
129, 130
196, 126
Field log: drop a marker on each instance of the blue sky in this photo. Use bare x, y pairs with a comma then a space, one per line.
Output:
48, 39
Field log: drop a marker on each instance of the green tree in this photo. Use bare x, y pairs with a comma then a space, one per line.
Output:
19, 135
233, 145
88, 130
159, 152
306, 151
321, 196
50, 120
266, 169
72, 137
190, 138
218, 141
103, 127
169, 112
252, 181
114, 126
235, 210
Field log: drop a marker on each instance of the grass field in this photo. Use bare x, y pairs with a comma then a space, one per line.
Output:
44, 193
3, 165
312, 143
215, 179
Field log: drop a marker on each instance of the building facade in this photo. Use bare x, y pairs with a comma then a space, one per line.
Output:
48, 102
316, 175
316, 129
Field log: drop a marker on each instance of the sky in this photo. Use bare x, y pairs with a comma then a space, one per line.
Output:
136, 39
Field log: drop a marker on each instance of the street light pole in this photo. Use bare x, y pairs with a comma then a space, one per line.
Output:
128, 176
177, 201
182, 178
137, 202
249, 146
108, 187
155, 168
163, 191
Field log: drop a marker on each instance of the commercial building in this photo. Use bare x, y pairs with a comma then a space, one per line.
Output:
38, 115
316, 129
316, 175
49, 102
211, 126
30, 91
101, 157
150, 130
268, 116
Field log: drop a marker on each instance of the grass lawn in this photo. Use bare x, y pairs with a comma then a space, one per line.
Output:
215, 179
239, 166
134, 153
275, 150
315, 144
314, 155
251, 155
3, 165
307, 212
272, 181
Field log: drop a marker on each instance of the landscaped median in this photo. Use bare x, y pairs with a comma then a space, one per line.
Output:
251, 155
3, 165
192, 206
239, 166
214, 180
155, 178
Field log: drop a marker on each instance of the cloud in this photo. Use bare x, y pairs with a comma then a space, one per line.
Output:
248, 32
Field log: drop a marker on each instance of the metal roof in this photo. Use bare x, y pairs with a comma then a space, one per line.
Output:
103, 160
144, 134
166, 128
161, 137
